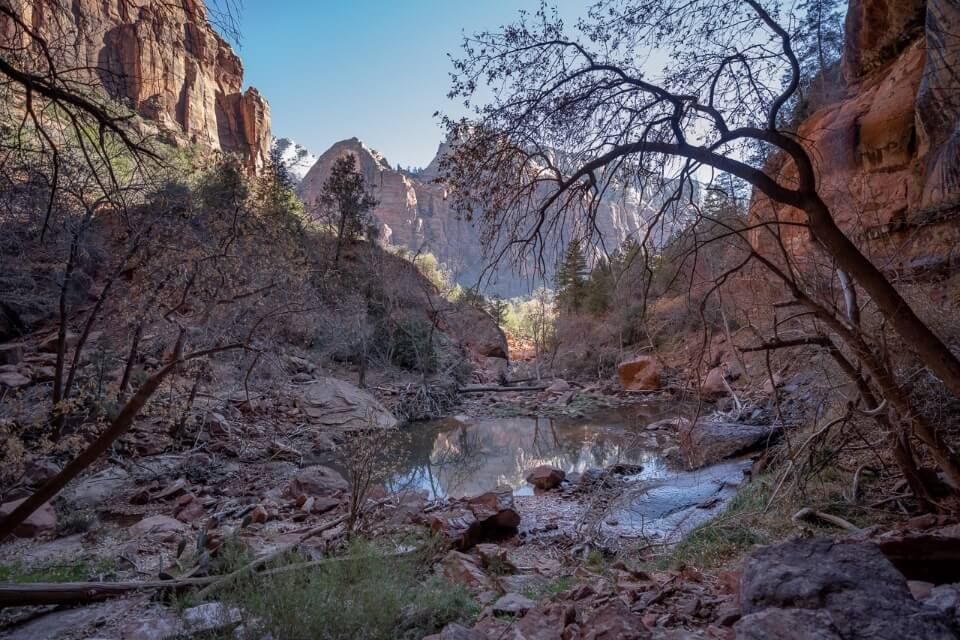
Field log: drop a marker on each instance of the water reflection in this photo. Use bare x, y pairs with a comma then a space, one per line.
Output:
452, 458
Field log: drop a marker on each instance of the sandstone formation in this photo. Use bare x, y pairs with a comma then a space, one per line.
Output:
335, 404
415, 212
639, 374
888, 154
163, 60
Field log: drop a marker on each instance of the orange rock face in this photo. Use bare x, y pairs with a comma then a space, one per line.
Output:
888, 155
640, 374
165, 61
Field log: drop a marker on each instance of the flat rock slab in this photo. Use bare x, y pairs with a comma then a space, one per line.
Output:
704, 443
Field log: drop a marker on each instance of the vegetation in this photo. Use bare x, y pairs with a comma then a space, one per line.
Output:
345, 205
370, 594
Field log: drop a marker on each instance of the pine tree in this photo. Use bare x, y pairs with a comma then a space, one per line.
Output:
571, 275
345, 204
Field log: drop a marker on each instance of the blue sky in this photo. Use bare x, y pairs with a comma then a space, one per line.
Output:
375, 69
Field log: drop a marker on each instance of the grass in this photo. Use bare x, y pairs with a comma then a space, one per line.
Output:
80, 571
371, 596
748, 521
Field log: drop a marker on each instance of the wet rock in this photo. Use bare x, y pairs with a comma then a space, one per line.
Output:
703, 442
316, 481
546, 477
640, 374
863, 594
41, 521
337, 404
97, 489
455, 631
460, 568
513, 604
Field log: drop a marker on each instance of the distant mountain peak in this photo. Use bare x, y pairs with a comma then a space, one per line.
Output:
295, 157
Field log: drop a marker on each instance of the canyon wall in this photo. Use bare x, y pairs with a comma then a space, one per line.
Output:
165, 61
414, 212
888, 154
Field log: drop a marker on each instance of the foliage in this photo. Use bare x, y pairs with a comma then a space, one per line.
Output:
345, 205
571, 276
368, 595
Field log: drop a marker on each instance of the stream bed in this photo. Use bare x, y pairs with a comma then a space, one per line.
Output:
464, 456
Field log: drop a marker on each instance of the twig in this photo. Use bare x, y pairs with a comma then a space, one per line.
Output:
811, 515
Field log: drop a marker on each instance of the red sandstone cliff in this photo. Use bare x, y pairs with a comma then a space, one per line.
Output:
165, 61
888, 154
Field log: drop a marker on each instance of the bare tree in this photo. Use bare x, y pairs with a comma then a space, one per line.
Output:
570, 117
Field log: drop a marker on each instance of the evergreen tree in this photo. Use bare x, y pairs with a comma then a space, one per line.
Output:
571, 275
345, 204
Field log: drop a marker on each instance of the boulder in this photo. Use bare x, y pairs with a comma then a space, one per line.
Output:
489, 516
475, 331
315, 481
41, 521
11, 353
336, 404
559, 386
705, 442
861, 592
159, 526
546, 477
787, 624
614, 620
640, 374
549, 622
38, 470
513, 604
13, 380
462, 569
94, 490
454, 631
714, 383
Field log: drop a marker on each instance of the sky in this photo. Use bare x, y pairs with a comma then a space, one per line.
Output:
374, 69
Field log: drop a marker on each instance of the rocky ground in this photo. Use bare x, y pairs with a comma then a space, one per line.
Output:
535, 564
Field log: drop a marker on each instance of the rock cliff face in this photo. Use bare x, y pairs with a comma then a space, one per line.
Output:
166, 62
888, 155
414, 212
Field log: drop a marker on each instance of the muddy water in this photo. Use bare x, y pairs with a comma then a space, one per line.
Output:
462, 456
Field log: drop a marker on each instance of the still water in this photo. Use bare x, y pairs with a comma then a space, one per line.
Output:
466, 456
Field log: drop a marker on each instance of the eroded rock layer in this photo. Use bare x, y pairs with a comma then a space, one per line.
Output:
888, 154
165, 61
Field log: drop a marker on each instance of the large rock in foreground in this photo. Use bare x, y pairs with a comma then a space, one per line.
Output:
640, 374
486, 517
818, 588
340, 405
41, 521
703, 443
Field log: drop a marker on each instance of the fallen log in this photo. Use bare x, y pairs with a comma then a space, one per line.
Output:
47, 593
498, 388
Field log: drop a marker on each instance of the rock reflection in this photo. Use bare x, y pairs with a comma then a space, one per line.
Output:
452, 458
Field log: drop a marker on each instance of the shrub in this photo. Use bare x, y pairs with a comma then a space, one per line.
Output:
366, 596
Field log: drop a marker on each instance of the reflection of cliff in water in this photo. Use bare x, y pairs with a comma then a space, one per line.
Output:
453, 458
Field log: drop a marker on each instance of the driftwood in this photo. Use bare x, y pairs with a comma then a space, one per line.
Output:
810, 515
47, 593
498, 388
